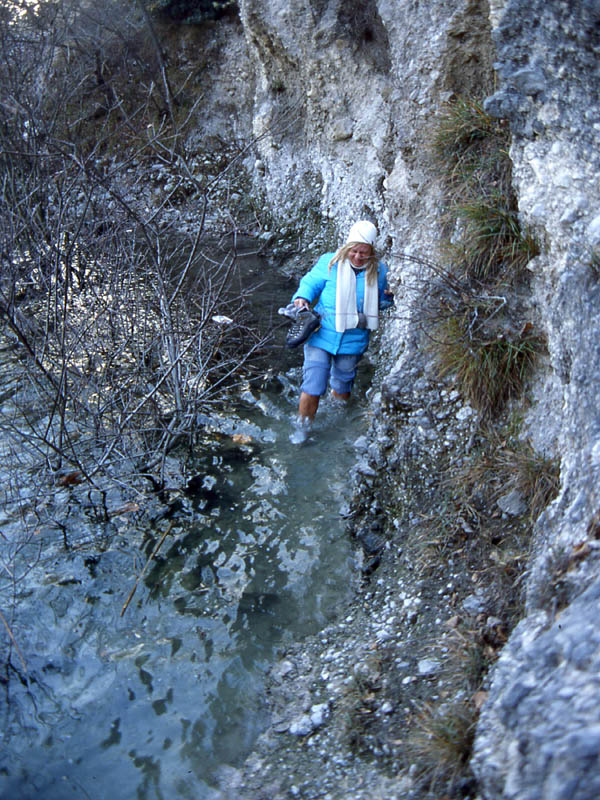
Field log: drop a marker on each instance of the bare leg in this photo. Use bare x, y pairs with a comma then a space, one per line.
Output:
345, 396
308, 405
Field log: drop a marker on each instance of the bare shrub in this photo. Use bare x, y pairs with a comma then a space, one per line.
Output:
121, 327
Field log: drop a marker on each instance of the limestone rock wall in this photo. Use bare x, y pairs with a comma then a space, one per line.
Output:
538, 733
343, 94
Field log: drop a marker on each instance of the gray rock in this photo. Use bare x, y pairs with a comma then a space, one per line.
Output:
502, 104
593, 231
345, 121
512, 503
541, 725
341, 129
428, 667
474, 604
301, 726
361, 444
318, 714
530, 81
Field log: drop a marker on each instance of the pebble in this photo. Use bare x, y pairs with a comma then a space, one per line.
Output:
301, 726
428, 666
319, 713
474, 604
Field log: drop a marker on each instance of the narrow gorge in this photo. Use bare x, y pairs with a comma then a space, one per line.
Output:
461, 659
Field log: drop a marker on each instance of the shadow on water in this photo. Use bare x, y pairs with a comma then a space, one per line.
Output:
154, 703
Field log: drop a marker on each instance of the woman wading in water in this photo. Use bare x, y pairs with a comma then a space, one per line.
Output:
349, 287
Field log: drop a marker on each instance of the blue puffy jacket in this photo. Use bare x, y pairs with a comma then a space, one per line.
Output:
320, 283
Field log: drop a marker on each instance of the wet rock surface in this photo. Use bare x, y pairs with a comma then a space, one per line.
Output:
530, 742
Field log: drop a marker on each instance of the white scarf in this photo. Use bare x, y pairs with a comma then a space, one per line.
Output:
346, 314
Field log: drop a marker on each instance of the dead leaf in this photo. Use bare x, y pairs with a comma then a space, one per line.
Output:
581, 550
241, 438
70, 479
526, 328
128, 508
479, 699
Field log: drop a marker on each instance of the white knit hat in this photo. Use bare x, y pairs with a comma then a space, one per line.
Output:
363, 232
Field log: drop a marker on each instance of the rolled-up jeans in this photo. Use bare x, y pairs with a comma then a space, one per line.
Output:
321, 367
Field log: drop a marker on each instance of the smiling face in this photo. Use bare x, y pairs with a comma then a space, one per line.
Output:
359, 254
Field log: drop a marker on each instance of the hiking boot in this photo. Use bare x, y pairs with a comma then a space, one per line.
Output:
306, 323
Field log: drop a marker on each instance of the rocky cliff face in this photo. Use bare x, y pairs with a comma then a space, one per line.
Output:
344, 93
341, 97
538, 734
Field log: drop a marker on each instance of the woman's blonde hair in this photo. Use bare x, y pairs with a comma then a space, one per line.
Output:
372, 263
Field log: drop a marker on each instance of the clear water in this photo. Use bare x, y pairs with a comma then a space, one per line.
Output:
152, 703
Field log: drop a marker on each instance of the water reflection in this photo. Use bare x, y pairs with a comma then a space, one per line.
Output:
151, 704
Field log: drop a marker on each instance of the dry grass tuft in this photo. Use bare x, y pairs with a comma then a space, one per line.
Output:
471, 150
492, 244
505, 466
441, 743
488, 369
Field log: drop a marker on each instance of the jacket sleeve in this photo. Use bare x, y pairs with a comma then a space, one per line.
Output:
313, 282
385, 300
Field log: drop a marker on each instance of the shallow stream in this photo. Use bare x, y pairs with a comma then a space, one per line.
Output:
153, 702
